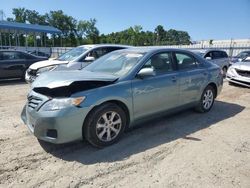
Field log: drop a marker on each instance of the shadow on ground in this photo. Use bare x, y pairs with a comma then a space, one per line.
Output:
147, 135
12, 82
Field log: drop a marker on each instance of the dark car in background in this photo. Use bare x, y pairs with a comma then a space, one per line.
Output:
39, 53
13, 64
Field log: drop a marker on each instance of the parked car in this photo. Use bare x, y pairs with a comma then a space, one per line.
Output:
39, 53
241, 56
13, 64
219, 57
239, 73
76, 58
117, 91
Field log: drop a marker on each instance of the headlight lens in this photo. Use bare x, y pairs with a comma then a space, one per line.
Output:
58, 104
45, 69
231, 71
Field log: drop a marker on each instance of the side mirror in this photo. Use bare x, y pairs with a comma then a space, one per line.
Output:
89, 59
239, 59
145, 72
208, 58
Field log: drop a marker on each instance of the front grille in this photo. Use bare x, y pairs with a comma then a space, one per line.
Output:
33, 102
243, 73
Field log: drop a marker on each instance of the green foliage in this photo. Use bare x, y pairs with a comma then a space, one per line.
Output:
77, 32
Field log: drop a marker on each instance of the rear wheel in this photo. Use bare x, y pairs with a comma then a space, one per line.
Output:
207, 100
105, 125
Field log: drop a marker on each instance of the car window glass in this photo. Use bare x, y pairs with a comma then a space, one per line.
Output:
209, 54
161, 63
224, 54
217, 55
96, 53
8, 55
185, 61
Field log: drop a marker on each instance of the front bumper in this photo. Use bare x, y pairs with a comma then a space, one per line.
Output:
57, 127
240, 80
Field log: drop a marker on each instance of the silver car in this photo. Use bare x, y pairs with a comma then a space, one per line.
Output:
75, 58
239, 73
117, 91
218, 57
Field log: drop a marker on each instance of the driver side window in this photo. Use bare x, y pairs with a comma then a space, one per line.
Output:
161, 63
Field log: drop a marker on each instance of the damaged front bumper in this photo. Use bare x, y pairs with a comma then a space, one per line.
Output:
240, 80
57, 127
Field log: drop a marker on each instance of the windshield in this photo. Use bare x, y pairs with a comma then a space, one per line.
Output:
116, 63
243, 55
72, 54
247, 59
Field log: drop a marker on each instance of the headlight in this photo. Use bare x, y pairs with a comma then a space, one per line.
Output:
45, 69
58, 104
231, 71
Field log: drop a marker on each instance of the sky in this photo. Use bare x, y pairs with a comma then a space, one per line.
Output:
202, 19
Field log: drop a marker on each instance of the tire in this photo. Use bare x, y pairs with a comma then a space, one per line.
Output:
104, 125
207, 100
23, 75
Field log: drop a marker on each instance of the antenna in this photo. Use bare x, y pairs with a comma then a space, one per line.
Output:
2, 15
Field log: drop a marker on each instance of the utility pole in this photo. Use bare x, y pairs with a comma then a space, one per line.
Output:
2, 15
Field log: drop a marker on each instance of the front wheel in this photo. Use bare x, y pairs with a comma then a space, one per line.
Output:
207, 100
105, 125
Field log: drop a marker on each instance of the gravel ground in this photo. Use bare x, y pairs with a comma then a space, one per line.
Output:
183, 150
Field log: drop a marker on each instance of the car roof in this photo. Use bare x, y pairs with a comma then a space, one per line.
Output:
148, 49
11, 50
89, 46
205, 50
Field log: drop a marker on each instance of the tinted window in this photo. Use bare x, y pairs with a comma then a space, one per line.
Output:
224, 54
209, 54
185, 61
218, 55
161, 63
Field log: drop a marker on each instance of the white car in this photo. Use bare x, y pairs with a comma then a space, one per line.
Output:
77, 58
239, 73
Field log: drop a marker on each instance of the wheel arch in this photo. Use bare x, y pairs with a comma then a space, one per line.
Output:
119, 103
215, 88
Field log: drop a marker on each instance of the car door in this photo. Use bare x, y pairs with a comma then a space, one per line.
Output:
157, 93
219, 59
12, 65
192, 77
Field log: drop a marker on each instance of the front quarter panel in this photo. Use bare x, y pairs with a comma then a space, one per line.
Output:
120, 91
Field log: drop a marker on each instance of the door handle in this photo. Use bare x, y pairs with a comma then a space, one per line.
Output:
205, 73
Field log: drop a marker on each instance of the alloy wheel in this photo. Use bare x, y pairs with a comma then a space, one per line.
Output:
108, 126
208, 98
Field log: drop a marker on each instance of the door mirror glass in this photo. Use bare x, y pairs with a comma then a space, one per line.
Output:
146, 72
89, 59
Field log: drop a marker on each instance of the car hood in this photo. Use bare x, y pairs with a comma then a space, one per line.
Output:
46, 63
242, 66
56, 79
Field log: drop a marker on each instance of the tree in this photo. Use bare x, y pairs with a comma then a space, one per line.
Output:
20, 14
33, 17
87, 29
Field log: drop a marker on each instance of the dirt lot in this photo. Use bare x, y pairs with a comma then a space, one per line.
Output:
184, 150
